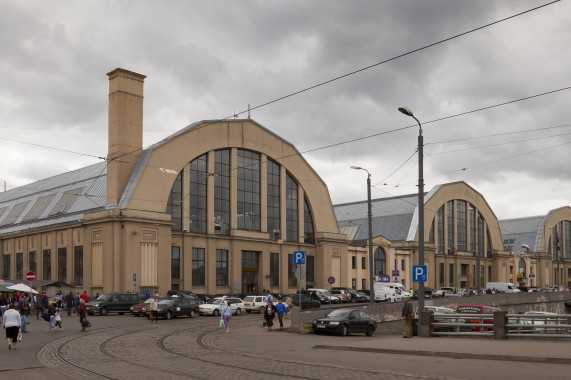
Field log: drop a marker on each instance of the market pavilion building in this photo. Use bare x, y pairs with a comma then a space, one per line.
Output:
461, 231
218, 207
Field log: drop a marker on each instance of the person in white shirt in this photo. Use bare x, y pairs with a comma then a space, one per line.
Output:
12, 323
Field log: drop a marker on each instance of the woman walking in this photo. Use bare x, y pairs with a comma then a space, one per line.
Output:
82, 311
269, 314
226, 315
12, 323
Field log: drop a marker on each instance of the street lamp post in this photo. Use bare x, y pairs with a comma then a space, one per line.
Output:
370, 220
408, 112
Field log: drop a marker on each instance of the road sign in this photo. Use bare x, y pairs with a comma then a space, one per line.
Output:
419, 273
382, 278
30, 276
300, 272
134, 277
299, 257
331, 280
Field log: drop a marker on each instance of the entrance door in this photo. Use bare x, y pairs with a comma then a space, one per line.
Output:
250, 281
250, 266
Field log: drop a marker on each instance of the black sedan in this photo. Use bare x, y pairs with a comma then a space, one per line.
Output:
306, 302
345, 321
176, 306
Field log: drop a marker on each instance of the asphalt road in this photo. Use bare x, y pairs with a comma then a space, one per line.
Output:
126, 347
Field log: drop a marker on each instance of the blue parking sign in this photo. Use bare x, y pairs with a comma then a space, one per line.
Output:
419, 273
299, 257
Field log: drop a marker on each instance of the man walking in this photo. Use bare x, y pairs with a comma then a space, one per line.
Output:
407, 315
281, 309
69, 303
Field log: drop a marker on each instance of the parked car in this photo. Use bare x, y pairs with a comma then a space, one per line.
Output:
255, 303
318, 296
206, 297
478, 309
327, 294
438, 318
443, 293
341, 293
141, 309
185, 293
306, 302
176, 306
344, 322
112, 303
214, 306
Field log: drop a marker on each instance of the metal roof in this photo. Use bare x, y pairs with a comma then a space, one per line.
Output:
524, 231
394, 218
57, 200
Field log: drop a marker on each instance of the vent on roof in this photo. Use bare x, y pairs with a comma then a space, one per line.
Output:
38, 207
66, 200
15, 213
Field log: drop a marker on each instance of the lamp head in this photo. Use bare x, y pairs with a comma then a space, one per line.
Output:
406, 111
356, 167
525, 246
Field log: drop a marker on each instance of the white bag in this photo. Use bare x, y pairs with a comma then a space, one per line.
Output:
222, 323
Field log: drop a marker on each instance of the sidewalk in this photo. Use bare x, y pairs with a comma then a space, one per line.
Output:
534, 351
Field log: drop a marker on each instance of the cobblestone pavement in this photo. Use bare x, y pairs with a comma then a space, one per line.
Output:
196, 349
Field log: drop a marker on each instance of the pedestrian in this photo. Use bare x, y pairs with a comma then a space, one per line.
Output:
407, 315
52, 314
154, 309
24, 309
76, 299
12, 323
84, 297
82, 312
269, 314
57, 319
226, 315
59, 297
281, 309
69, 303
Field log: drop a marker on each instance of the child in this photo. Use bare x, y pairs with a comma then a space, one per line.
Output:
57, 319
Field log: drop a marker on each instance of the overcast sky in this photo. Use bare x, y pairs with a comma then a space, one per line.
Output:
210, 59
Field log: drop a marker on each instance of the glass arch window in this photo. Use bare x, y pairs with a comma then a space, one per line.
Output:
292, 228
248, 205
174, 204
380, 261
198, 191
521, 267
308, 233
273, 200
222, 192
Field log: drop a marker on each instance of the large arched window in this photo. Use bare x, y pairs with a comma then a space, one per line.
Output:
198, 175
291, 210
174, 204
521, 267
308, 234
380, 261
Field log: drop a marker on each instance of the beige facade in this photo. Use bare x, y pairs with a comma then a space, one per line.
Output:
129, 240
459, 227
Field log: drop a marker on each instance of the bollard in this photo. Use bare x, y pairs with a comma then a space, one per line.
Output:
500, 325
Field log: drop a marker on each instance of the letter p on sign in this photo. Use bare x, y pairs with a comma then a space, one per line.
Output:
299, 257
419, 273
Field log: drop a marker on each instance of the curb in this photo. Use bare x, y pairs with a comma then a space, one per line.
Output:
454, 355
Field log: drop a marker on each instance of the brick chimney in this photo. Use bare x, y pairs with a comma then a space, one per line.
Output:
125, 129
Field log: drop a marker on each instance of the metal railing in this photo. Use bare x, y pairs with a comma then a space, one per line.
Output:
462, 324
552, 325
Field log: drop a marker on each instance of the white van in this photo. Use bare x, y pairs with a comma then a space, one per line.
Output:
503, 287
387, 291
